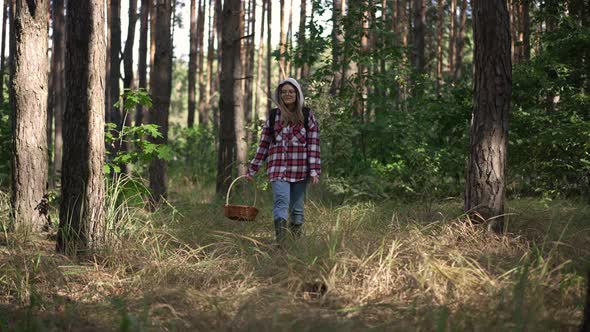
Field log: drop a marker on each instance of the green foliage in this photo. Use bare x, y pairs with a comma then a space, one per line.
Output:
194, 148
137, 136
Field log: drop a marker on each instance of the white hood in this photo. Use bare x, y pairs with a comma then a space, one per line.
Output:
293, 82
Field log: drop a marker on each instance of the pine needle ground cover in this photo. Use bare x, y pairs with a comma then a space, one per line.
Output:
360, 266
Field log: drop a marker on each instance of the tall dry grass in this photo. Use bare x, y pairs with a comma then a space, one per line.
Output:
360, 266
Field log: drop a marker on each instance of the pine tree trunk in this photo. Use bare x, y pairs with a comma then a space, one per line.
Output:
82, 215
452, 35
218, 28
337, 43
230, 97
29, 122
142, 61
210, 55
113, 74
250, 111
418, 40
192, 66
161, 87
2, 51
282, 42
460, 41
485, 185
439, 39
203, 110
269, 55
289, 38
525, 30
129, 43
301, 38
261, 46
58, 84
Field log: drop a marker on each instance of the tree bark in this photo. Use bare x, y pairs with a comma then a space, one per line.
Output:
129, 43
250, 110
82, 216
114, 73
439, 49
161, 87
192, 65
231, 115
58, 85
282, 43
452, 35
418, 40
261, 46
458, 63
29, 122
2, 50
485, 185
269, 55
525, 30
142, 54
203, 110
301, 39
337, 42
210, 55
218, 28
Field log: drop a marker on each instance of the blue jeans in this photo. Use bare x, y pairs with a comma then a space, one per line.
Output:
289, 197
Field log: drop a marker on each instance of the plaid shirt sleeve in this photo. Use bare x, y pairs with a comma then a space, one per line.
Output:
262, 151
313, 147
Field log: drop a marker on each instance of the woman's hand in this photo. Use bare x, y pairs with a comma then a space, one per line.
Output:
315, 179
249, 177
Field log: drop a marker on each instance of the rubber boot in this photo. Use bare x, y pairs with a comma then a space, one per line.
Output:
280, 229
295, 230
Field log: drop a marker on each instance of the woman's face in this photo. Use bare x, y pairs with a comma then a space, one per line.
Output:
288, 94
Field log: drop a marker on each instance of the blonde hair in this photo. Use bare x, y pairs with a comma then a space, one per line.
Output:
294, 117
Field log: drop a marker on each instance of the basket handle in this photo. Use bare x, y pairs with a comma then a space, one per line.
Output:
232, 184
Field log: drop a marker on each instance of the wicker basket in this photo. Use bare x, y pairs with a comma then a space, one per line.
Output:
240, 212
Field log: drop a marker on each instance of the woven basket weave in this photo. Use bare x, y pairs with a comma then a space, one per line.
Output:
240, 212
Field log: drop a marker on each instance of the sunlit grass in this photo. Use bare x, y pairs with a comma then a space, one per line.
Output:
359, 266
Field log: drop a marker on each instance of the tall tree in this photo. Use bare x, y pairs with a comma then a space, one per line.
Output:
2, 51
142, 56
418, 60
452, 35
524, 33
114, 70
203, 109
81, 214
337, 41
58, 83
439, 40
485, 185
458, 63
261, 47
301, 37
29, 123
160, 89
231, 115
251, 112
269, 53
192, 65
283, 40
129, 43
211, 89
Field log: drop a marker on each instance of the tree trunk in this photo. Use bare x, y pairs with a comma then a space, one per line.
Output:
301, 38
2, 50
261, 46
282, 43
192, 66
418, 40
161, 87
58, 84
82, 217
210, 55
230, 98
485, 185
453, 35
525, 30
203, 110
129, 43
250, 110
363, 69
142, 61
269, 55
113, 74
29, 122
337, 42
289, 38
458, 63
439, 39
218, 28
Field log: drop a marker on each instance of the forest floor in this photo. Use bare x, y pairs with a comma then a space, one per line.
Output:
359, 266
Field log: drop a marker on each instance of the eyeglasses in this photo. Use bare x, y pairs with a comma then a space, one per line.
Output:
288, 92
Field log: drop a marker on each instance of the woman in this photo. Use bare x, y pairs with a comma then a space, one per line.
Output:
290, 145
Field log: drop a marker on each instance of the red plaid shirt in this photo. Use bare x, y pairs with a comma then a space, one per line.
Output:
293, 155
